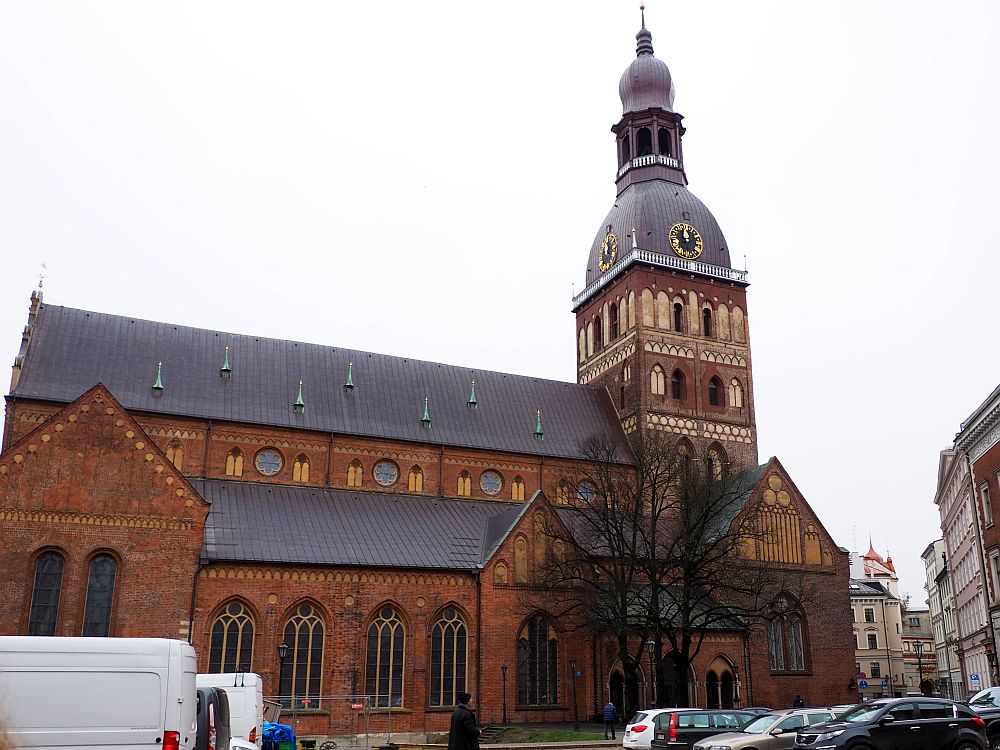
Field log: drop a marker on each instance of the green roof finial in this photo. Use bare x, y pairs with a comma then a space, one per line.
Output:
539, 433
299, 406
226, 371
158, 385
426, 419
349, 385
473, 402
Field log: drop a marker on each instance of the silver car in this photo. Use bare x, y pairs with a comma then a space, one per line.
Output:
771, 731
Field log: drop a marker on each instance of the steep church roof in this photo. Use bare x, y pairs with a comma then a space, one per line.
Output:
71, 350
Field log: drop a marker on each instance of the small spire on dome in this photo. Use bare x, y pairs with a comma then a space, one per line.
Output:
299, 406
349, 385
158, 385
473, 401
642, 10
426, 419
539, 432
644, 38
226, 371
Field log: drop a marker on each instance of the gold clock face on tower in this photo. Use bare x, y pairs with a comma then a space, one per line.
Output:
686, 241
609, 251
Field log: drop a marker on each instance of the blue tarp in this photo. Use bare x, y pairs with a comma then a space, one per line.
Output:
274, 733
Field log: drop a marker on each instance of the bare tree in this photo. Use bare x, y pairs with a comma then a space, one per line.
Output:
659, 548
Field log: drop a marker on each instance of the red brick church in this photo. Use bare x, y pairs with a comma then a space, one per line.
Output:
380, 516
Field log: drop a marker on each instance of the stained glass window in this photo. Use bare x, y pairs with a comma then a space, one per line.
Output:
268, 462
384, 659
231, 646
301, 674
45, 594
100, 596
449, 657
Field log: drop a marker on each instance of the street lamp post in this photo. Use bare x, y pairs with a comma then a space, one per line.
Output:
919, 648
503, 678
576, 715
650, 645
282, 655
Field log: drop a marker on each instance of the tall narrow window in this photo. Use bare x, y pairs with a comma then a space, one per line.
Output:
415, 480
645, 142
715, 462
663, 135
300, 469
598, 334
706, 322
537, 664
626, 148
231, 644
449, 658
735, 393
984, 491
677, 385
384, 659
45, 594
678, 317
714, 386
234, 463
562, 493
517, 489
303, 670
657, 380
100, 596
175, 454
355, 473
464, 484
786, 638
613, 331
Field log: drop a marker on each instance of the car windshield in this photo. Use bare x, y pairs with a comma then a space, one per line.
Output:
760, 725
861, 713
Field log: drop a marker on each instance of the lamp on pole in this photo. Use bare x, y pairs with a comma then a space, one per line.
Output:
282, 655
576, 715
919, 648
650, 645
503, 678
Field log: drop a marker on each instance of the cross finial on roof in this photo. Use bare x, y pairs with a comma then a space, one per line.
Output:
426, 419
41, 275
158, 385
299, 406
349, 385
226, 371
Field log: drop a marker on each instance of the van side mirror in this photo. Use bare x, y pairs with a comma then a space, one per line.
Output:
887, 719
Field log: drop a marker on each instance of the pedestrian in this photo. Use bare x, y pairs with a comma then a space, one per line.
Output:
798, 702
610, 719
464, 733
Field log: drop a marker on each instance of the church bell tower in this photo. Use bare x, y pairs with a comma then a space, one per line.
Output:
662, 321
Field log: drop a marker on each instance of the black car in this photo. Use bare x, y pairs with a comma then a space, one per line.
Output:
899, 724
679, 730
991, 715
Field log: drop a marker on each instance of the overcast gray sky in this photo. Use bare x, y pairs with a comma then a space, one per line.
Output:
425, 180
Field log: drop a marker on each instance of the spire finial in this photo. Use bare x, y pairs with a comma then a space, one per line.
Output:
299, 406
426, 419
643, 38
349, 385
158, 385
642, 10
41, 275
226, 371
473, 401
539, 432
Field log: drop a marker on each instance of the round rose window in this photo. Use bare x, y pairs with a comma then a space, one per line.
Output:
268, 462
490, 482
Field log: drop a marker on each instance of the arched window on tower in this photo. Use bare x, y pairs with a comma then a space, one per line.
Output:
626, 149
664, 137
613, 331
234, 463
678, 317
714, 388
598, 333
300, 469
644, 140
706, 321
657, 380
677, 385
735, 393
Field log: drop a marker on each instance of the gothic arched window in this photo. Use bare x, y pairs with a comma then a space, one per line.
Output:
678, 317
449, 658
464, 484
384, 659
786, 638
613, 331
714, 387
234, 463
735, 393
100, 596
355, 473
645, 142
517, 489
415, 479
664, 141
300, 469
231, 644
303, 670
537, 664
657, 380
175, 454
677, 385
45, 594
598, 334
626, 149
706, 322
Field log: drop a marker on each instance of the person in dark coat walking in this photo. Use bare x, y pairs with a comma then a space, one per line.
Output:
464, 733
610, 719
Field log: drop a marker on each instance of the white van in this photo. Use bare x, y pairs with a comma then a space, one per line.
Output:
87, 693
245, 691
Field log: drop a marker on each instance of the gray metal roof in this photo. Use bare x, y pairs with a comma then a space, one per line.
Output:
267, 523
72, 350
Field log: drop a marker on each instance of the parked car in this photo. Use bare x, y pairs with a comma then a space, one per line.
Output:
991, 715
679, 730
773, 731
639, 730
213, 719
891, 723
988, 697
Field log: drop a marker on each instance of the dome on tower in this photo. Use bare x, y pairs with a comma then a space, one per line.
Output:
646, 83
